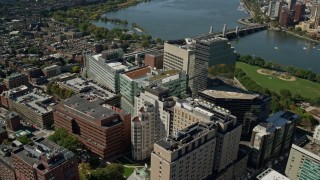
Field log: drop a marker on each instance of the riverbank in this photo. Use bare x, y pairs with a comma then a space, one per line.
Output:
248, 7
302, 37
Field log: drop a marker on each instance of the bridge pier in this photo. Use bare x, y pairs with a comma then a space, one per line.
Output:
224, 31
237, 31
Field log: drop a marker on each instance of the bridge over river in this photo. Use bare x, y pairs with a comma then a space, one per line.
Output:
233, 33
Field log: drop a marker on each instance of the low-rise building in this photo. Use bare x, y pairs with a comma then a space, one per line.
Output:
90, 90
6, 164
51, 71
43, 159
3, 133
105, 68
154, 60
102, 129
33, 106
16, 80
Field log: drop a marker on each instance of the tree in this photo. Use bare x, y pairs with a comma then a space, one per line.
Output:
84, 171
69, 93
24, 140
49, 87
158, 40
62, 138
144, 43
33, 50
94, 162
285, 93
6, 142
75, 69
115, 171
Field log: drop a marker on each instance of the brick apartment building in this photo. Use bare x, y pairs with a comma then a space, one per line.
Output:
101, 129
44, 160
16, 80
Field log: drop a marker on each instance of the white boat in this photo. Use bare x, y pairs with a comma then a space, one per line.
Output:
276, 48
304, 48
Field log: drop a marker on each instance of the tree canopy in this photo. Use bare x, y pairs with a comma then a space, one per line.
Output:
64, 139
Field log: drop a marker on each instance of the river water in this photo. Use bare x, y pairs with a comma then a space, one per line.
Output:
176, 19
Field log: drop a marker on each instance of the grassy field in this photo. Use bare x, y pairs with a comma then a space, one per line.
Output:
128, 171
303, 87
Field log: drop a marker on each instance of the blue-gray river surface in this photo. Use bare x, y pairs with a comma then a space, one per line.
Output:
176, 19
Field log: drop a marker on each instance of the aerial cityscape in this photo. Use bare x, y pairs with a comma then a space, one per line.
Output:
159, 89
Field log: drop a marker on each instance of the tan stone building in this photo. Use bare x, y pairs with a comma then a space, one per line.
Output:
187, 155
191, 111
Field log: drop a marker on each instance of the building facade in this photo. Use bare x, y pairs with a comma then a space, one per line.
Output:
180, 56
105, 68
261, 141
43, 159
304, 160
187, 155
188, 112
130, 83
274, 9
103, 130
175, 80
163, 103
143, 133
51, 71
33, 106
154, 60
250, 109
16, 80
272, 138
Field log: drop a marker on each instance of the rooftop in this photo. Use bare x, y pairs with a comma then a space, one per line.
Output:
51, 67
271, 174
185, 136
138, 73
205, 109
154, 53
88, 88
211, 40
91, 110
225, 94
307, 143
5, 155
33, 99
164, 74
13, 75
282, 118
43, 154
36, 100
264, 128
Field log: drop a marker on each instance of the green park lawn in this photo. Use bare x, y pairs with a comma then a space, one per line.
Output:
300, 86
127, 171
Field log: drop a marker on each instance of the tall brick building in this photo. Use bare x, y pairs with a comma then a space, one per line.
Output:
101, 129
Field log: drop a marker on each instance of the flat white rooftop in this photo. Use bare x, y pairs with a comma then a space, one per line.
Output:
271, 174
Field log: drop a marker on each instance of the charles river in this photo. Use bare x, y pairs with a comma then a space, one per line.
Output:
176, 19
